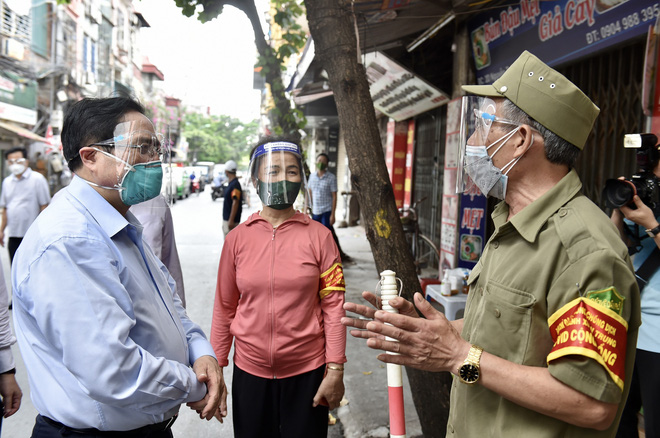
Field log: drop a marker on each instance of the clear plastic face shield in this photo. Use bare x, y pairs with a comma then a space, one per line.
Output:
482, 134
137, 151
277, 173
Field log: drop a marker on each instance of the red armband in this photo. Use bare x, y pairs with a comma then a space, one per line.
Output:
585, 327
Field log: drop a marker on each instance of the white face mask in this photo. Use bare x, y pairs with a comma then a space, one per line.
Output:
17, 169
485, 175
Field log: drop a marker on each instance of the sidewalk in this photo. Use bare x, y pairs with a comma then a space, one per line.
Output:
366, 415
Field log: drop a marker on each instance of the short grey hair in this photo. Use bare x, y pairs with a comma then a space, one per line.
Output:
557, 150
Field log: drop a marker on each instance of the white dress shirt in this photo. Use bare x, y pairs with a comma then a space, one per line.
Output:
23, 198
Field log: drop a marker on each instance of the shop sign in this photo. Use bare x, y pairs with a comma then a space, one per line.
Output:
18, 114
396, 91
555, 31
17, 91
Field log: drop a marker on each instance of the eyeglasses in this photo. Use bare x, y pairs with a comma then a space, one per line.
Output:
148, 144
488, 119
16, 161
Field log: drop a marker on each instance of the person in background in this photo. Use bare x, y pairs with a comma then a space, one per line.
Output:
25, 194
323, 197
233, 204
10, 392
156, 218
108, 346
642, 227
279, 298
547, 345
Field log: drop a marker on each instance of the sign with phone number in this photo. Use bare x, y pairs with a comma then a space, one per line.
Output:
556, 31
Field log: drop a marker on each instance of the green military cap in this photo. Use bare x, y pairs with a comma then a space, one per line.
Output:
546, 96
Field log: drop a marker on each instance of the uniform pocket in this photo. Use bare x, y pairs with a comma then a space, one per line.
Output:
506, 317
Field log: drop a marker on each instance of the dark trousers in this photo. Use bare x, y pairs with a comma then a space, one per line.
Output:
324, 218
644, 391
12, 246
274, 408
43, 429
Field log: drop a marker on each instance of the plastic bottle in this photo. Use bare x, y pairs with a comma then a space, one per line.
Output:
445, 287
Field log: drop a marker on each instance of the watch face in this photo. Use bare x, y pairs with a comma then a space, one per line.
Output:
469, 373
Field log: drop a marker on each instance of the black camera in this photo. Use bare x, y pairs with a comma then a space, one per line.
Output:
645, 184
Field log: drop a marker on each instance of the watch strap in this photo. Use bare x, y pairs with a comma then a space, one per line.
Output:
474, 355
652, 232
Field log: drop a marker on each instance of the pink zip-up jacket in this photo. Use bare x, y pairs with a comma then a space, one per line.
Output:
280, 296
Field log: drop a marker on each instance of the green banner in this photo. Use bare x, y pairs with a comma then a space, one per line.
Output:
18, 91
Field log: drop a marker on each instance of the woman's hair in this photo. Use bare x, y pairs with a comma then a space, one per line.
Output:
557, 150
93, 120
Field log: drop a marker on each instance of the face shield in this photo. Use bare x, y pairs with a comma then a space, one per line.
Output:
277, 173
137, 150
476, 172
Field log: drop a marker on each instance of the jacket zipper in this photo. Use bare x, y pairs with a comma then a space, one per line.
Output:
272, 303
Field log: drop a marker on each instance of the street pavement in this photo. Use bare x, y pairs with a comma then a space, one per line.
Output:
198, 229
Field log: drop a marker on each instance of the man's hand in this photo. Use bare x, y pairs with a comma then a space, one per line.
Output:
331, 390
11, 394
207, 371
2, 238
642, 215
231, 224
402, 305
431, 343
332, 218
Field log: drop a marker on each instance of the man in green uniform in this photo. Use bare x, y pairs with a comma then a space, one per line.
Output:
548, 339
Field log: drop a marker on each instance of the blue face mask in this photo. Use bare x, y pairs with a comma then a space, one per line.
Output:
141, 183
485, 175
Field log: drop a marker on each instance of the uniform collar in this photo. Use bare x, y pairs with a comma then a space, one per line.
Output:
108, 218
532, 218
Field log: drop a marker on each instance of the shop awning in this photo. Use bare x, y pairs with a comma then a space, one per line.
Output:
22, 132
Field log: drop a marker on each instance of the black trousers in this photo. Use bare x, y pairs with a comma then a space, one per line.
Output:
12, 246
43, 429
274, 408
644, 391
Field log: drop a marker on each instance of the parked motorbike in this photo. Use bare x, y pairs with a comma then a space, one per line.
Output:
219, 191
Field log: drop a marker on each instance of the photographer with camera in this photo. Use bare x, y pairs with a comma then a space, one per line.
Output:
637, 216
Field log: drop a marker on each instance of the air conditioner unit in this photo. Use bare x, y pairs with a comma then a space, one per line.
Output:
11, 48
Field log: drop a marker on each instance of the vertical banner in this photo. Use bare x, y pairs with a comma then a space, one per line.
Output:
410, 157
650, 85
449, 196
472, 232
395, 157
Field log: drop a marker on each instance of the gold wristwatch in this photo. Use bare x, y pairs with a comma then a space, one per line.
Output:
469, 371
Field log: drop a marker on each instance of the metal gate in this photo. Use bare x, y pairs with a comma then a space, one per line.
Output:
428, 169
613, 80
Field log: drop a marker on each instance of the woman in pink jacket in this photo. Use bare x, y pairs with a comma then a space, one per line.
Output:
279, 297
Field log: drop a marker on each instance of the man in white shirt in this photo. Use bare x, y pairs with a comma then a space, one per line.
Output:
24, 195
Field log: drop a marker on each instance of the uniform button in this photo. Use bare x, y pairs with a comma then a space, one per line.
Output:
481, 291
496, 244
503, 89
562, 213
497, 313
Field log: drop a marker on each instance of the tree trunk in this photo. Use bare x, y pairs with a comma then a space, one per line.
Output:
332, 27
282, 115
